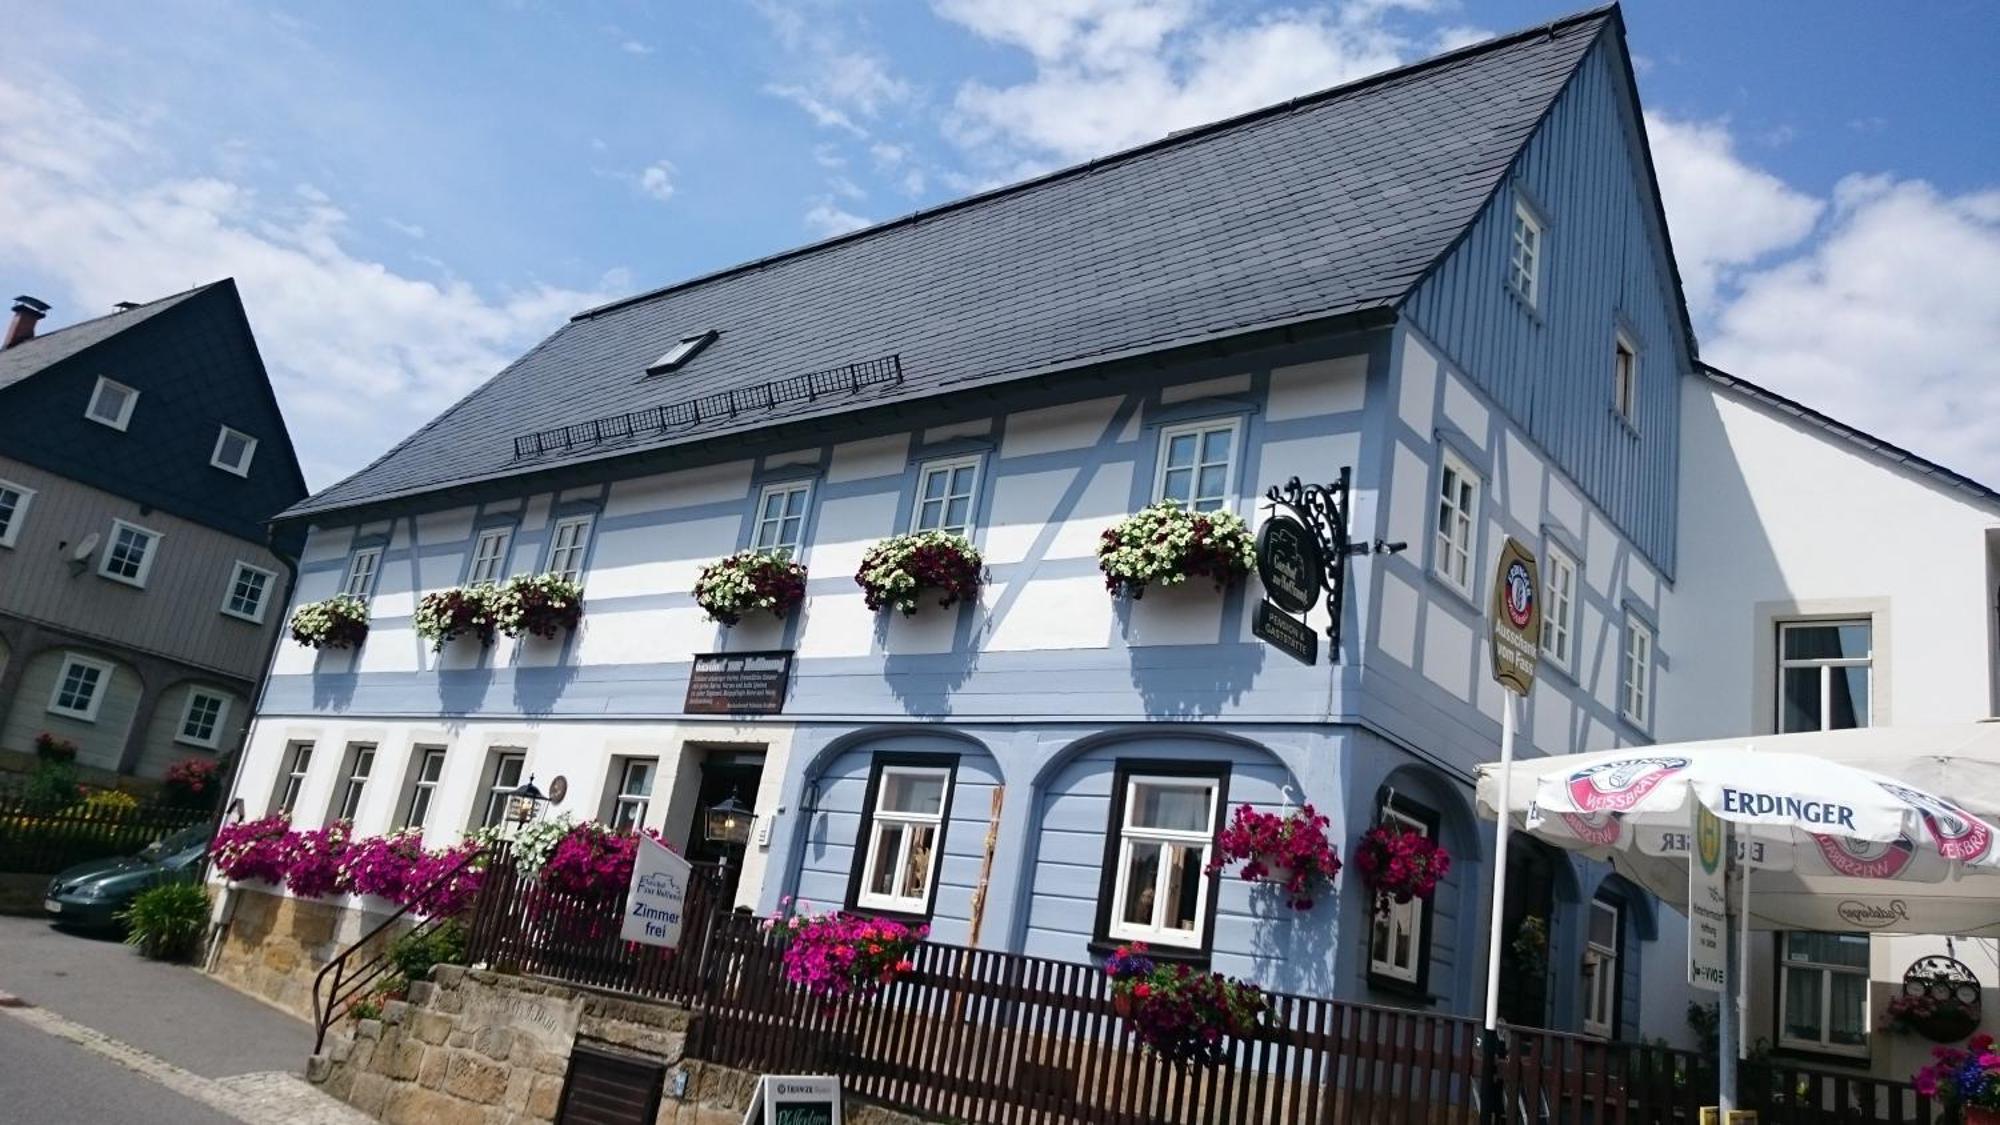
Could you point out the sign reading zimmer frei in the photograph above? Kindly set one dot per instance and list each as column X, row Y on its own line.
column 1517, row 618
column 656, row 902
column 1708, row 904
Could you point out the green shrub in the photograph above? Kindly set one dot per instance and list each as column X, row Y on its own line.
column 51, row 785
column 166, row 922
column 413, row 954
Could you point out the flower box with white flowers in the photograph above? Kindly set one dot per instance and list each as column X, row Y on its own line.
column 906, row 570
column 539, row 605
column 1166, row 544
column 749, row 581
column 444, row 616
column 340, row 621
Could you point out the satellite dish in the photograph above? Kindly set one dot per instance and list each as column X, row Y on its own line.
column 79, row 555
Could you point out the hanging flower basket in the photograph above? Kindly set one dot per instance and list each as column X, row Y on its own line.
column 1399, row 863
column 748, row 581
column 462, row 611
column 54, row 751
column 901, row 570
column 1167, row 544
column 340, row 621
column 1291, row 851
column 540, row 605
column 834, row 956
column 1938, row 1019
column 1183, row 1015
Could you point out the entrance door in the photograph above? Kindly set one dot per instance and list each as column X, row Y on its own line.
column 1524, row 958
column 724, row 773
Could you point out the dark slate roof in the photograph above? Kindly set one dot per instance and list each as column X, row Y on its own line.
column 1331, row 204
column 1888, row 451
column 194, row 361
column 34, row 355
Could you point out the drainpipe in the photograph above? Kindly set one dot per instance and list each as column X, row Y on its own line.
column 219, row 920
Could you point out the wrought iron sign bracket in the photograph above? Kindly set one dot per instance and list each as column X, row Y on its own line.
column 1322, row 508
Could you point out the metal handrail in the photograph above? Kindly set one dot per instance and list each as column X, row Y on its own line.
column 329, row 999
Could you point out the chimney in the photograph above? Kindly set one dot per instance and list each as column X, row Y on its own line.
column 28, row 312
column 125, row 306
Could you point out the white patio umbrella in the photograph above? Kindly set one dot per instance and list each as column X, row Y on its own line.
column 1847, row 830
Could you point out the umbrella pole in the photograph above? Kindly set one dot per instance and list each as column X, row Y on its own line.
column 1725, row 1008
column 1490, row 1040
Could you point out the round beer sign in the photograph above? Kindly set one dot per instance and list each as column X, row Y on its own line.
column 1288, row 560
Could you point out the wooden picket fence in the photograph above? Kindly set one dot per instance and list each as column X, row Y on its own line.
column 37, row 839
column 979, row 1035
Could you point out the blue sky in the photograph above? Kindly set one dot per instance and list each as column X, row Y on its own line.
column 411, row 195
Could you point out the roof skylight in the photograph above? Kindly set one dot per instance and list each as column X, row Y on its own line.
column 678, row 355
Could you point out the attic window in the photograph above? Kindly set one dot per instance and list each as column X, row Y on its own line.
column 678, row 355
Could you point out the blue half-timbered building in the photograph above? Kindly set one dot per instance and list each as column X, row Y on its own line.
column 1452, row 279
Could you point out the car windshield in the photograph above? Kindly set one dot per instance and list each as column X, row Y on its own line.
column 194, row 835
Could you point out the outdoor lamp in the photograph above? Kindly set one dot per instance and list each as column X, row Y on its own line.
column 727, row 822
column 525, row 804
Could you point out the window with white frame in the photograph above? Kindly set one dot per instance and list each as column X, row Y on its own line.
column 1600, row 967
column 354, row 780
column 489, row 556
column 292, row 782
column 1524, row 262
column 128, row 557
column 566, row 546
column 249, row 592
column 781, row 518
column 503, row 776
column 361, row 572
column 945, row 490
column 203, row 718
column 1197, row 464
column 1824, row 674
column 634, row 794
column 1625, row 378
column 1559, row 610
column 1396, row 941
column 1823, row 992
column 1457, row 515
column 14, row 500
column 903, row 832
column 425, row 771
column 81, row 684
column 233, row 451
column 111, row 403
column 1636, row 701
column 1160, row 886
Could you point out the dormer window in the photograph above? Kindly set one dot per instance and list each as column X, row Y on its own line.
column 233, row 450
column 111, row 403
column 678, row 355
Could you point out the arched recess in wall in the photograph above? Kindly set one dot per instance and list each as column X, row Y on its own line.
column 174, row 731
column 100, row 734
column 1096, row 870
column 897, row 827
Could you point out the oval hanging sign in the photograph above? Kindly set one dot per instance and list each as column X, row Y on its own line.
column 1288, row 560
column 1517, row 618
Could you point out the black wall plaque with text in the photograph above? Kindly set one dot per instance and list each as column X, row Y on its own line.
column 738, row 683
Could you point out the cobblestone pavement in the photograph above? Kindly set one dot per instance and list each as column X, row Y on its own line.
column 218, row 1055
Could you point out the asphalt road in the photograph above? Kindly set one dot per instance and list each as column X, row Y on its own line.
column 170, row 1011
column 47, row 1081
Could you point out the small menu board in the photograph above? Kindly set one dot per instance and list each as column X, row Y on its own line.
column 738, row 683
column 794, row 1099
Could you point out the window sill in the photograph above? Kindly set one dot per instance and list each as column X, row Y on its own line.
column 1861, row 1060
column 1395, row 986
column 135, row 583
column 879, row 914
column 243, row 617
column 1174, row 954
column 1523, row 303
column 1462, row 597
column 208, row 746
column 1626, row 424
column 1548, row 666
column 72, row 716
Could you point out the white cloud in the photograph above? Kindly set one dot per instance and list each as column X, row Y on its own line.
column 825, row 219
column 1113, row 73
column 634, row 47
column 1460, row 35
column 1886, row 322
column 1725, row 214
column 840, row 86
column 407, row 230
column 658, row 180
column 341, row 335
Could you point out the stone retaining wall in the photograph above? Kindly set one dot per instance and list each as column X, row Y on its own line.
column 472, row 1047
column 273, row 944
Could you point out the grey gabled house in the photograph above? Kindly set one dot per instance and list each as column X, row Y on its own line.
column 142, row 454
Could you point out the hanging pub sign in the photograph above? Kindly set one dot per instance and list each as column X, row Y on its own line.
column 738, row 683
column 1286, row 633
column 1517, row 618
column 1288, row 561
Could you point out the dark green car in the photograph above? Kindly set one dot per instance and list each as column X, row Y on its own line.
column 91, row 895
